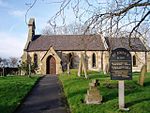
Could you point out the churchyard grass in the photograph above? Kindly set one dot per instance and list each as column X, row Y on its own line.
column 137, row 98
column 12, row 90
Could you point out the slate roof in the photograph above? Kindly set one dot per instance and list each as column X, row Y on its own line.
column 82, row 42
column 135, row 44
column 66, row 42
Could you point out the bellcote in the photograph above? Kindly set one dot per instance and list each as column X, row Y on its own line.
column 31, row 32
column 31, row 27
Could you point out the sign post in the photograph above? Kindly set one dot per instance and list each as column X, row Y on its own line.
column 121, row 69
column 121, row 94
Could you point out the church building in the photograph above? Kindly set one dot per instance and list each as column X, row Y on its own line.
column 52, row 53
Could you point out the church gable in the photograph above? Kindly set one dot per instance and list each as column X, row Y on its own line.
column 44, row 60
column 51, row 52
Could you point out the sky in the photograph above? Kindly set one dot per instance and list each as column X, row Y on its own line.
column 14, row 30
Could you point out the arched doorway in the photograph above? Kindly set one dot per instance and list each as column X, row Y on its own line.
column 51, row 65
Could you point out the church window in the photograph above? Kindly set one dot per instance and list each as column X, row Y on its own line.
column 93, row 60
column 71, row 60
column 35, row 60
column 134, row 60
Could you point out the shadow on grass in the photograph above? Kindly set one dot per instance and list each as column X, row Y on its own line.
column 114, row 94
column 110, row 96
column 129, row 104
column 147, row 83
column 139, row 86
column 97, row 76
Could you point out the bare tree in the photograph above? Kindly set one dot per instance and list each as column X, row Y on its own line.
column 47, row 31
column 0, row 61
column 4, row 62
column 113, row 18
column 13, row 61
column 71, row 29
column 110, row 17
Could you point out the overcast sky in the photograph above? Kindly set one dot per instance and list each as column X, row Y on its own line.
column 13, row 29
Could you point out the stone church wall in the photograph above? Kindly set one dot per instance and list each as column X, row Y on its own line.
column 102, row 60
column 76, row 59
column 40, row 55
column 148, row 61
column 140, row 61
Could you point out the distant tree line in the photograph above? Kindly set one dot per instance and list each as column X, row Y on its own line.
column 9, row 62
column 70, row 29
column 14, row 66
column 9, row 66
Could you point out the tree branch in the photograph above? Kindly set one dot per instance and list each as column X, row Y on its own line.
column 31, row 6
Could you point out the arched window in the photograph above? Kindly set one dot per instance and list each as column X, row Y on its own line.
column 71, row 60
column 134, row 60
column 35, row 60
column 93, row 60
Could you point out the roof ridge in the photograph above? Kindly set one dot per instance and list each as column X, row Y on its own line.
column 68, row 35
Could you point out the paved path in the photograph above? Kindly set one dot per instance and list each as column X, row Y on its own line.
column 45, row 97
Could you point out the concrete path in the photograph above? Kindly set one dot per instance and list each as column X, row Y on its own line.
column 46, row 97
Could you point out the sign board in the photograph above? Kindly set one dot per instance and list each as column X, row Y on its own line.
column 120, row 64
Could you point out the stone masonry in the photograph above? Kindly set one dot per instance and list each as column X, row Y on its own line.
column 93, row 95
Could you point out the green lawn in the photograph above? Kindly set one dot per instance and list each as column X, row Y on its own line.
column 12, row 90
column 137, row 98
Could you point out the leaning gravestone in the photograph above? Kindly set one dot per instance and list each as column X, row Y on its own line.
column 106, row 69
column 82, row 65
column 142, row 75
column 93, row 96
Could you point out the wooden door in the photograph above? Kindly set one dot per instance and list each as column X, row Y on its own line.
column 51, row 65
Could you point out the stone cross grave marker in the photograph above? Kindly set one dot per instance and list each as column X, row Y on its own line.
column 93, row 95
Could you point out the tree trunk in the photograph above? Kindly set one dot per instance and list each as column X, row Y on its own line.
column 3, row 71
column 29, row 73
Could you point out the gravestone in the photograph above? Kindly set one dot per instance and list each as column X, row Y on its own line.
column 142, row 75
column 82, row 65
column 106, row 70
column 93, row 95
